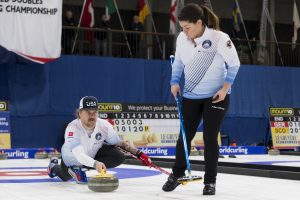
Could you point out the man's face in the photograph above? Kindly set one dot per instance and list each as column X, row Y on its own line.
column 136, row 19
column 88, row 117
column 69, row 14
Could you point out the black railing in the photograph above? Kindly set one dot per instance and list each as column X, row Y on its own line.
column 148, row 45
column 117, row 43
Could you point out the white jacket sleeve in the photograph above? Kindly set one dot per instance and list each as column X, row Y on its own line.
column 81, row 156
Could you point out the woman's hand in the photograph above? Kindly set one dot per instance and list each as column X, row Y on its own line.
column 175, row 89
column 221, row 94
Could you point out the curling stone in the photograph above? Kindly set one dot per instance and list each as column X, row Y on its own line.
column 103, row 182
column 232, row 156
column 3, row 156
column 194, row 152
column 274, row 152
column 201, row 152
column 41, row 155
column 54, row 153
column 221, row 156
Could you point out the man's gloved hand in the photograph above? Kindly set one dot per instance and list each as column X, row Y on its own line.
column 144, row 158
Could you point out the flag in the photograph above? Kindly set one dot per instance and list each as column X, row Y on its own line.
column 207, row 3
column 110, row 7
column 262, row 33
column 180, row 5
column 143, row 10
column 236, row 17
column 296, row 25
column 88, row 15
column 173, row 17
column 88, row 19
column 30, row 31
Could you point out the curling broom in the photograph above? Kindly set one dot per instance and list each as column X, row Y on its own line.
column 190, row 177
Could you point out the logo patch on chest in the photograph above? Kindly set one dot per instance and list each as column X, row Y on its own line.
column 98, row 136
column 206, row 44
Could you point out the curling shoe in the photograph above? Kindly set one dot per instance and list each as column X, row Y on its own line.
column 78, row 174
column 53, row 162
column 171, row 184
column 209, row 189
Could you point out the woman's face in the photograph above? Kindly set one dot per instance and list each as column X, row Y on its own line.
column 192, row 30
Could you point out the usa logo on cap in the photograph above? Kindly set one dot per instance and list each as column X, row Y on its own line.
column 88, row 102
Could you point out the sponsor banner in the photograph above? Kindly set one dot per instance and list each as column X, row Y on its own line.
column 281, row 111
column 145, row 125
column 157, row 139
column 28, row 153
column 5, row 141
column 136, row 108
column 158, row 151
column 242, row 150
column 4, row 122
column 285, row 127
column 32, row 28
column 224, row 150
column 24, row 153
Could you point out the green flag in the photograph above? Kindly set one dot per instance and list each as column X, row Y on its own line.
column 110, row 7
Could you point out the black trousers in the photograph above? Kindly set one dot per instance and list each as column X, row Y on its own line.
column 107, row 154
column 193, row 110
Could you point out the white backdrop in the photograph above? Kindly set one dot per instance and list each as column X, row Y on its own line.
column 32, row 28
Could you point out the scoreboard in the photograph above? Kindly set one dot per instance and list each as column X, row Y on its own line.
column 146, row 125
column 285, row 127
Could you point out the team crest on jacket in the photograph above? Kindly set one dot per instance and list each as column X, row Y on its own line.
column 98, row 136
column 228, row 44
column 206, row 44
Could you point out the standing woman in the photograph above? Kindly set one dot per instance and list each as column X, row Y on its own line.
column 210, row 63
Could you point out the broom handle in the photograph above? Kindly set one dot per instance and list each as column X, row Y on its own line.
column 178, row 100
column 183, row 136
column 135, row 157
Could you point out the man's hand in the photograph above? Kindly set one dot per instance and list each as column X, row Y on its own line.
column 144, row 158
column 99, row 166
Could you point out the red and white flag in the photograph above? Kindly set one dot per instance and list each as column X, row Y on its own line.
column 88, row 19
column 173, row 17
column 296, row 25
column 32, row 30
column 88, row 15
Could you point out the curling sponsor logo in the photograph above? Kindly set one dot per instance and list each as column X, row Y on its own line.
column 3, row 121
column 110, row 107
column 3, row 106
column 281, row 111
column 155, row 151
column 17, row 154
column 233, row 150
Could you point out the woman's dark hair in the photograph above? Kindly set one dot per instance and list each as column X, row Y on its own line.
column 193, row 12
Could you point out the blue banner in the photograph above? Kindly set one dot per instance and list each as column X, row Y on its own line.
column 24, row 153
column 224, row 150
column 242, row 150
column 158, row 151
